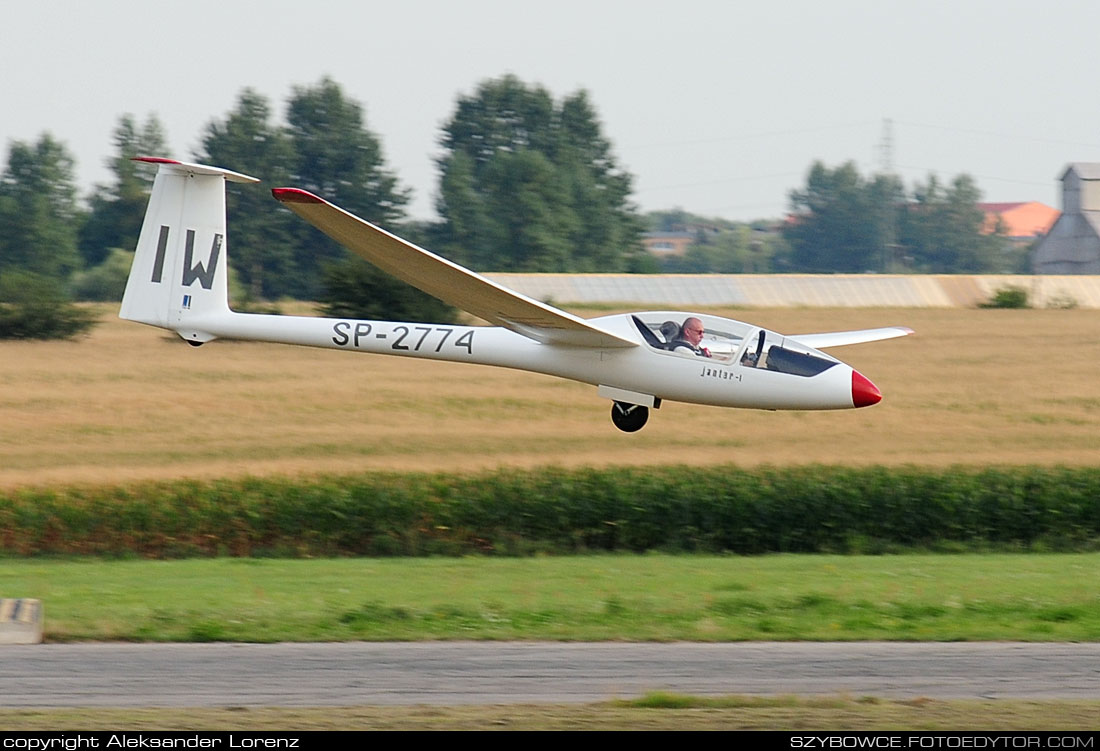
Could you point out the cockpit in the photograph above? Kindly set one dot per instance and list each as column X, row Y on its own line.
column 730, row 342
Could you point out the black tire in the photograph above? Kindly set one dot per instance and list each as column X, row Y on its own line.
column 629, row 418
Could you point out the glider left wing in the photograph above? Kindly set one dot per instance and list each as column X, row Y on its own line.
column 446, row 280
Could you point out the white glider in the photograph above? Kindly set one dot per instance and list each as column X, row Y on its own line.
column 178, row 282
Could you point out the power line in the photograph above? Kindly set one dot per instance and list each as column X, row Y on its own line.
column 994, row 134
column 752, row 136
column 723, row 181
column 933, row 170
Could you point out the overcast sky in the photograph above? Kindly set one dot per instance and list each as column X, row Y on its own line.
column 718, row 107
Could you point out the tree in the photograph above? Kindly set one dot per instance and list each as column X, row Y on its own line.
column 39, row 222
column 262, row 248
column 943, row 230
column 532, row 221
column 337, row 157
column 720, row 246
column 531, row 185
column 357, row 289
column 116, row 210
column 728, row 251
column 38, row 210
column 610, row 227
column 842, row 222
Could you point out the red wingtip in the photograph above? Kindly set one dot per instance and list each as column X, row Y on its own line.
column 294, row 195
column 155, row 160
column 864, row 393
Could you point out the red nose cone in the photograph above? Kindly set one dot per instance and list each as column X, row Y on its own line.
column 864, row 393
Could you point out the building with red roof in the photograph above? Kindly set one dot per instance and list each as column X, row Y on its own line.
column 1020, row 220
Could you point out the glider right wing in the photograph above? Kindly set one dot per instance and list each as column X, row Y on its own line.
column 844, row 338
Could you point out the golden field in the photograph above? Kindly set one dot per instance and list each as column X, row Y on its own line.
column 130, row 402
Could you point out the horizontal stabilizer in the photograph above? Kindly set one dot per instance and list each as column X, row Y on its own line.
column 198, row 169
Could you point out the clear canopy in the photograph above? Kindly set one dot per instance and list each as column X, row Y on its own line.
column 732, row 342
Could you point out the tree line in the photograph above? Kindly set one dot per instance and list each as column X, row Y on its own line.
column 527, row 182
column 843, row 222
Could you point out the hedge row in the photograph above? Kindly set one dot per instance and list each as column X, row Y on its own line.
column 675, row 509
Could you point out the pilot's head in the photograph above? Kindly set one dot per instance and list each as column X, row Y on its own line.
column 693, row 331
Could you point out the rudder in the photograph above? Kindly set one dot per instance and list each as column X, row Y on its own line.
column 179, row 275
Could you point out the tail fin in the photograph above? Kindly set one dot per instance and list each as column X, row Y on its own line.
column 180, row 270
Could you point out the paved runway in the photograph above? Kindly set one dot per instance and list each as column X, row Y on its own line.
column 449, row 673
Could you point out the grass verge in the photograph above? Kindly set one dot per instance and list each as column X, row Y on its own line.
column 694, row 713
column 965, row 597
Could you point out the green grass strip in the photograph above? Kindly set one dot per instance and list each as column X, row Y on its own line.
column 652, row 597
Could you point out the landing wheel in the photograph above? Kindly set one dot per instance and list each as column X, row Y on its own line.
column 629, row 417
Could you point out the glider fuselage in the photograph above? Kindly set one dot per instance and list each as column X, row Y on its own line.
column 721, row 379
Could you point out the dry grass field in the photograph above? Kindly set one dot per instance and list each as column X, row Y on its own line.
column 130, row 402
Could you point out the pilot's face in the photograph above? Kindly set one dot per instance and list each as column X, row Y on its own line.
column 693, row 332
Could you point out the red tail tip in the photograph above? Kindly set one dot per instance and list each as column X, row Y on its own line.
column 864, row 393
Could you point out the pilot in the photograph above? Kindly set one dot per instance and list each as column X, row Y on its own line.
column 691, row 334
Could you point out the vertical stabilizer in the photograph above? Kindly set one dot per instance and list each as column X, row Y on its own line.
column 179, row 276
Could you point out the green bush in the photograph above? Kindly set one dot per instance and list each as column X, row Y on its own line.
column 1062, row 301
column 105, row 282
column 671, row 509
column 35, row 307
column 1008, row 297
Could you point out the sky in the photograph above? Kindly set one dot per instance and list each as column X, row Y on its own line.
column 713, row 106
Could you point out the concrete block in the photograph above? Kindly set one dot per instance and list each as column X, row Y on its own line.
column 20, row 621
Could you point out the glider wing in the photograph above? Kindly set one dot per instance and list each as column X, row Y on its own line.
column 446, row 280
column 841, row 338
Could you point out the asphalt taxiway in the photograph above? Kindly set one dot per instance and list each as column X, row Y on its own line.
column 453, row 673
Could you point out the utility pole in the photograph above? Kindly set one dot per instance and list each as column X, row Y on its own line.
column 889, row 211
column 885, row 148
